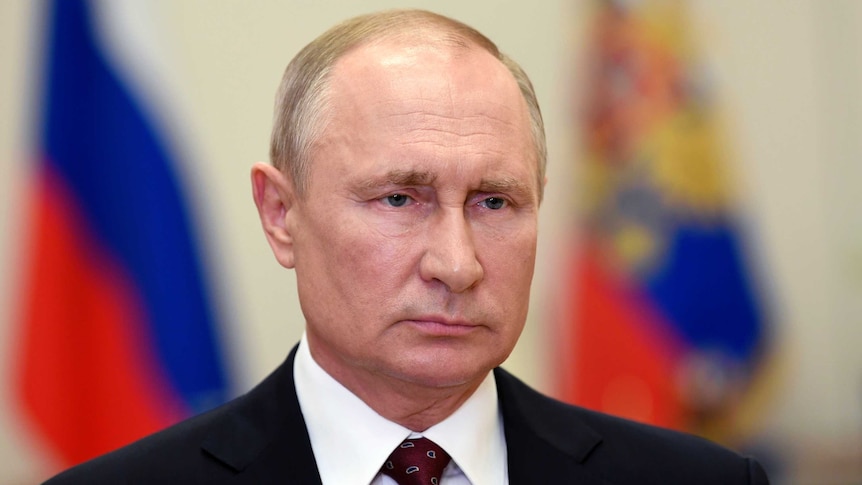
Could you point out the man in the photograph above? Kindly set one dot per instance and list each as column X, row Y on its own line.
column 408, row 168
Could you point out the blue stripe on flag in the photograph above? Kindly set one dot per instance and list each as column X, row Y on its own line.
column 706, row 294
column 122, row 174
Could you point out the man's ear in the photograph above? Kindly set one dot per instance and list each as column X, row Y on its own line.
column 274, row 197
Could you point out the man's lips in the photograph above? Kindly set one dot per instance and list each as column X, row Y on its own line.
column 441, row 326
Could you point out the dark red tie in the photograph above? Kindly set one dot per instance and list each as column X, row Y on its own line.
column 416, row 461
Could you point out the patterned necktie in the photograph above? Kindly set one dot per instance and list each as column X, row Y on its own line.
column 416, row 461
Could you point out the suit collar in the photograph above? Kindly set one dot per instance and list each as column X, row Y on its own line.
column 546, row 441
column 263, row 433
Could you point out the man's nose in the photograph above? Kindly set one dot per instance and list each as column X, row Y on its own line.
column 450, row 252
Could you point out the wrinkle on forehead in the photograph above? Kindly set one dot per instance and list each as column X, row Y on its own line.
column 478, row 135
column 477, row 120
column 463, row 145
column 427, row 116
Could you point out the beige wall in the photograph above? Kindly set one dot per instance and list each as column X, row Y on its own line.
column 788, row 75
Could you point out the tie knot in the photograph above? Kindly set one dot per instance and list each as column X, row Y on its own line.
column 416, row 461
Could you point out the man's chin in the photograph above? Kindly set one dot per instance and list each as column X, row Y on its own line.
column 445, row 374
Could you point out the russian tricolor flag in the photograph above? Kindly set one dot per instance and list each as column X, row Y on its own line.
column 119, row 333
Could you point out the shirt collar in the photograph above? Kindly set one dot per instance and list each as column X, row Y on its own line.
column 351, row 441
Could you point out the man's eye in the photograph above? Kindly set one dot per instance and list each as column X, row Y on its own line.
column 396, row 200
column 494, row 203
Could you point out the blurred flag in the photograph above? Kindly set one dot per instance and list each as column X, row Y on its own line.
column 119, row 335
column 665, row 326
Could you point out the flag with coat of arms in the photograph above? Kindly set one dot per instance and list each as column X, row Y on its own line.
column 664, row 323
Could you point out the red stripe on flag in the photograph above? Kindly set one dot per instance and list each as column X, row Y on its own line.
column 87, row 377
column 622, row 355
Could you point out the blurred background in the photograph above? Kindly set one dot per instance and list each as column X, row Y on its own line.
column 700, row 257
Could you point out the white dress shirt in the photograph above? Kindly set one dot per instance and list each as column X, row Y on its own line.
column 351, row 441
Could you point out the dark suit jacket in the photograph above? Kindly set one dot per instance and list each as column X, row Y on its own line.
column 260, row 438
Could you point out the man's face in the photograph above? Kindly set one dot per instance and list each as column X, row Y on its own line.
column 414, row 244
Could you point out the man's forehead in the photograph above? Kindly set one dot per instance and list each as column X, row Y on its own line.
column 413, row 93
column 392, row 70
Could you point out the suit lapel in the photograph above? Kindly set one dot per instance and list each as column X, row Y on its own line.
column 546, row 442
column 263, row 437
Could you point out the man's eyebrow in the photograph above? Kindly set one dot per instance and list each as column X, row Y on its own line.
column 507, row 185
column 399, row 177
column 407, row 178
